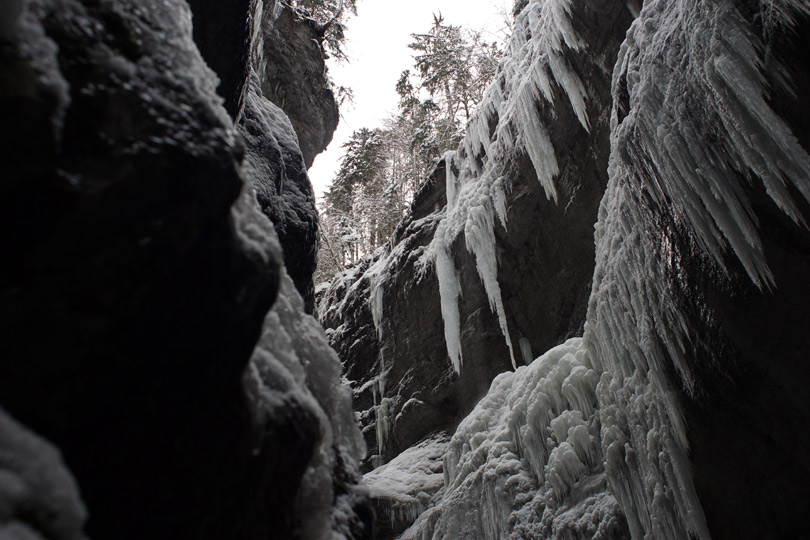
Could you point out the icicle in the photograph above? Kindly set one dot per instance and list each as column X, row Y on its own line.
column 450, row 178
column 525, row 350
column 520, row 453
column 698, row 126
column 480, row 237
column 449, row 291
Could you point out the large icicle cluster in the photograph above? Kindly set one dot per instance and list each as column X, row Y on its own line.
column 592, row 431
column 527, row 463
column 697, row 135
column 536, row 62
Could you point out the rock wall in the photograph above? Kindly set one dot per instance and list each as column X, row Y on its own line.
column 701, row 240
column 679, row 413
column 291, row 65
column 139, row 271
column 544, row 251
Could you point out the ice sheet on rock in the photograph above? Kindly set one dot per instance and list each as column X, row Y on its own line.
column 692, row 130
column 406, row 484
column 294, row 362
column 38, row 496
column 527, row 462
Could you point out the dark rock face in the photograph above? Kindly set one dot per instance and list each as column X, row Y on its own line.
column 545, row 269
column 283, row 189
column 222, row 34
column 139, row 272
column 131, row 301
column 754, row 393
column 293, row 76
column 740, row 369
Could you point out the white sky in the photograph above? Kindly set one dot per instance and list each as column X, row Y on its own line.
column 377, row 48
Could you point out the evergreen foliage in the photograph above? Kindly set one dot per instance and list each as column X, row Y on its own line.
column 332, row 16
column 381, row 168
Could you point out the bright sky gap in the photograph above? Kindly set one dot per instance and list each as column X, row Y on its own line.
column 377, row 48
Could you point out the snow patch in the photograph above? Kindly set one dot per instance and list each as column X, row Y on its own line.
column 405, row 485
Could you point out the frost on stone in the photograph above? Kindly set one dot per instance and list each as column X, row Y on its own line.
column 39, row 498
column 700, row 129
column 692, row 134
column 406, row 485
column 294, row 364
column 527, row 463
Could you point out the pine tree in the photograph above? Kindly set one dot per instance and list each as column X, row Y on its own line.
column 382, row 168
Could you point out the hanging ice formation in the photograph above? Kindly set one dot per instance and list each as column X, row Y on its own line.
column 592, row 433
column 698, row 132
column 535, row 64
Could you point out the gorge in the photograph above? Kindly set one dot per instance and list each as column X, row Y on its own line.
column 592, row 323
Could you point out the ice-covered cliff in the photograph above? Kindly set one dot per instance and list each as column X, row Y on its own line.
column 680, row 411
column 148, row 390
column 485, row 224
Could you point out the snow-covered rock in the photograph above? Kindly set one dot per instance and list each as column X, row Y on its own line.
column 477, row 281
column 527, row 463
column 137, row 276
column 407, row 485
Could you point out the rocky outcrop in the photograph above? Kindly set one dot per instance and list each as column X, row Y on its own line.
column 283, row 189
column 293, row 76
column 289, row 116
column 139, row 274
